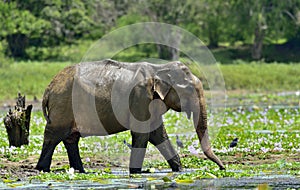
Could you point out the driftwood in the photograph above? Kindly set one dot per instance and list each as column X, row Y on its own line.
column 17, row 123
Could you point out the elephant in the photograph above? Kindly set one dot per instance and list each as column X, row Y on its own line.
column 106, row 97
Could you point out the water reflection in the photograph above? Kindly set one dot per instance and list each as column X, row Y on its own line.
column 155, row 181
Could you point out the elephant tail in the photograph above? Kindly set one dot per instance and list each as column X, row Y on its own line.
column 45, row 107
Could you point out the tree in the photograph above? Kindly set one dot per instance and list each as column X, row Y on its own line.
column 263, row 18
column 43, row 23
column 17, row 27
column 204, row 18
column 214, row 20
column 166, row 11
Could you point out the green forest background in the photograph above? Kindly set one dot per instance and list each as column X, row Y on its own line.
column 42, row 29
column 248, row 38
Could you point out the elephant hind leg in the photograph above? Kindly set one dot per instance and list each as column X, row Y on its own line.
column 46, row 156
column 160, row 140
column 71, row 144
column 49, row 144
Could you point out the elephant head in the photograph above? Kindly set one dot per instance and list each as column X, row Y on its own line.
column 181, row 91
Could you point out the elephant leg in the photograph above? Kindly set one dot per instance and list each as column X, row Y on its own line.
column 160, row 139
column 138, row 150
column 49, row 145
column 71, row 144
column 46, row 156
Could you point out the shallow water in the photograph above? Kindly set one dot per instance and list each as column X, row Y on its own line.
column 154, row 181
column 274, row 182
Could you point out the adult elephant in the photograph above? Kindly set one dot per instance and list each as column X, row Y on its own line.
column 107, row 97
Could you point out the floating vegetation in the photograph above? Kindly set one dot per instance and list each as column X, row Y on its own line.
column 269, row 144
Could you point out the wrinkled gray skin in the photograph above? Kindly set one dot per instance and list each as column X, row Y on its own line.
column 101, row 89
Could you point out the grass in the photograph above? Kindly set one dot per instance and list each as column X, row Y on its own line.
column 31, row 78
column 260, row 77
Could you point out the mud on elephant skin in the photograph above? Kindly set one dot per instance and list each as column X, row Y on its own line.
column 107, row 97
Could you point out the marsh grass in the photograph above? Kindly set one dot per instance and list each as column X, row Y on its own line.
column 261, row 77
column 31, row 78
column 269, row 143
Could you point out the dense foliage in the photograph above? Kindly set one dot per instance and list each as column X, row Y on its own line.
column 33, row 29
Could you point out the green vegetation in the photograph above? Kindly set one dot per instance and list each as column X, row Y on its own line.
column 268, row 144
column 256, row 45
column 41, row 29
column 261, row 77
column 32, row 78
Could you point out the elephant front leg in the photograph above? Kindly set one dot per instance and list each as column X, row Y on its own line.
column 160, row 140
column 138, row 150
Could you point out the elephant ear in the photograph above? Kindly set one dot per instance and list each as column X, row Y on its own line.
column 161, row 87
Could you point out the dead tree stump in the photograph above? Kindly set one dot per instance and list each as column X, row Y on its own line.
column 17, row 123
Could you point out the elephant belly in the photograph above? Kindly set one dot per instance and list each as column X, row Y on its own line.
column 99, row 128
column 94, row 116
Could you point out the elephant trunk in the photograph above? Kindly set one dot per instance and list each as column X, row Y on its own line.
column 200, row 122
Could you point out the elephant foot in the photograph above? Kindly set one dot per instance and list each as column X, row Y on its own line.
column 78, row 167
column 175, row 164
column 41, row 168
column 135, row 170
column 177, row 169
column 80, row 170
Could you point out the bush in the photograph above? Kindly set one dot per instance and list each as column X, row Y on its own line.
column 73, row 53
column 4, row 61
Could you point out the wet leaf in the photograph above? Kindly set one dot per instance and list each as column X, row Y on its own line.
column 8, row 181
column 14, row 185
column 184, row 181
column 135, row 175
column 107, row 170
column 166, row 179
column 170, row 174
column 151, row 178
column 102, row 181
column 211, row 175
